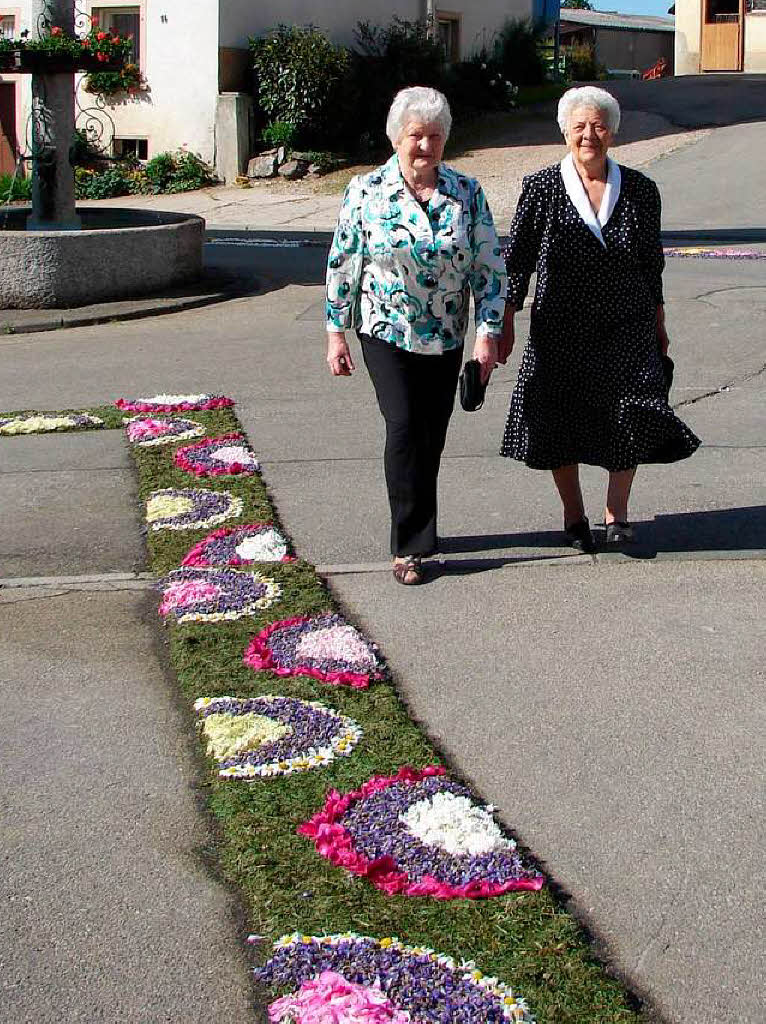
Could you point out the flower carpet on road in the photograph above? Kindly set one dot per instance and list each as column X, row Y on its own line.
column 175, row 508
column 149, row 432
column 215, row 595
column 42, row 423
column 174, row 403
column 240, row 545
column 218, row 456
column 324, row 646
column 708, row 253
column 272, row 735
column 419, row 834
column 428, row 986
column 283, row 747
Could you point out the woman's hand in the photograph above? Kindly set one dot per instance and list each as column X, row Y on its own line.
column 485, row 353
column 662, row 334
column 339, row 355
column 508, row 337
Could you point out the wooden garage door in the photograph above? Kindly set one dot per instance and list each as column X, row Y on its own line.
column 7, row 128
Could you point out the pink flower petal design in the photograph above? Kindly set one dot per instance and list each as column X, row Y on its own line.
column 337, row 659
column 201, row 458
column 376, row 845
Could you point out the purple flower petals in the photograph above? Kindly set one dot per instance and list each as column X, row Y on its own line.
column 180, row 508
column 433, row 989
column 240, row 545
column 227, row 455
column 325, row 647
column 317, row 735
column 215, row 595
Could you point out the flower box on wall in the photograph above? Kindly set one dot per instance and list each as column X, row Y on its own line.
column 26, row 61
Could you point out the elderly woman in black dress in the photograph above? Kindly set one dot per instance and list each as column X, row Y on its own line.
column 591, row 386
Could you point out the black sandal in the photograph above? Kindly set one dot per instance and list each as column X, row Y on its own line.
column 578, row 536
column 409, row 572
column 619, row 533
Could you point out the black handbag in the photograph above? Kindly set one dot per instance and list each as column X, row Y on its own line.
column 471, row 388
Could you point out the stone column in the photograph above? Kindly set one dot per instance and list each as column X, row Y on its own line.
column 53, row 124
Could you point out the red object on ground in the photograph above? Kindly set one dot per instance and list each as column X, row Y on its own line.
column 658, row 70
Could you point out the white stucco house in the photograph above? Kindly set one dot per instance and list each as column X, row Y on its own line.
column 194, row 56
column 720, row 35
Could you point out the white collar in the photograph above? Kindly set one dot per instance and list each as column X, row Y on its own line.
column 576, row 192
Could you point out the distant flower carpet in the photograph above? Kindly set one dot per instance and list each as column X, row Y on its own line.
column 39, row 423
column 174, row 403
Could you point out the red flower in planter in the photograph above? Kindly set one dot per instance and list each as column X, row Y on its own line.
column 56, row 31
column 101, row 36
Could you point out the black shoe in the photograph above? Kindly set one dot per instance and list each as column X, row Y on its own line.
column 578, row 536
column 619, row 533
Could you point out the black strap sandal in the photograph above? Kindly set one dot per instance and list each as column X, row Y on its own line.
column 409, row 572
column 619, row 533
column 578, row 536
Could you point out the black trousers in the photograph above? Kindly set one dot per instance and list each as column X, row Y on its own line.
column 416, row 395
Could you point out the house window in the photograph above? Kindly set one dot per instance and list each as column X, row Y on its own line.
column 448, row 27
column 138, row 148
column 7, row 26
column 123, row 22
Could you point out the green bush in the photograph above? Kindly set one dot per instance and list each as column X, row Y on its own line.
column 15, row 189
column 159, row 171
column 279, row 133
column 106, row 184
column 516, row 50
column 299, row 76
column 582, row 64
column 166, row 172
column 385, row 60
column 478, row 84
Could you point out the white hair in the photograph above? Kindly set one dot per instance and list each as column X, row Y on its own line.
column 588, row 96
column 417, row 103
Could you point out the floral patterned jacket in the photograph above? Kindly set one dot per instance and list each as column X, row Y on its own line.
column 401, row 274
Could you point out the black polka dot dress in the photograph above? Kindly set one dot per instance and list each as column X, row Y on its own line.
column 591, row 387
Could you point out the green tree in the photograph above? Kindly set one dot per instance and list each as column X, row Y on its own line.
column 578, row 5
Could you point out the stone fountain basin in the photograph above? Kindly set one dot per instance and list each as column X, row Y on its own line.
column 118, row 254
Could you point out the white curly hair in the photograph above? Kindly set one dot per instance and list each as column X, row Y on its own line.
column 588, row 96
column 417, row 103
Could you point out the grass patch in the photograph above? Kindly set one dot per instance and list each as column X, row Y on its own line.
column 529, row 940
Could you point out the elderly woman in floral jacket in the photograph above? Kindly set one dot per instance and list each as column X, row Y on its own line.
column 414, row 240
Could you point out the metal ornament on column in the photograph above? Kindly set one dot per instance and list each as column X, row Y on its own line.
column 52, row 130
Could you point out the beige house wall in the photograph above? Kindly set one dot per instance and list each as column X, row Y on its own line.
column 755, row 42
column 628, row 50
column 689, row 39
column 240, row 19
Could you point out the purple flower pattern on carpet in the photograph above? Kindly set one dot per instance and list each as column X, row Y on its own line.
column 215, row 595
column 432, row 988
column 317, row 735
column 240, row 545
column 376, row 831
column 324, row 646
column 180, row 508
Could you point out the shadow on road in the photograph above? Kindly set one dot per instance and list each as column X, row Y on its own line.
column 723, row 530
column 714, row 236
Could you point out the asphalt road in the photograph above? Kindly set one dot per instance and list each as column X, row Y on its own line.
column 612, row 708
